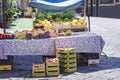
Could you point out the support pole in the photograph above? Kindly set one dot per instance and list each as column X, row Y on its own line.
column 89, row 23
column 87, row 12
column 91, row 8
column 97, row 7
column 84, row 12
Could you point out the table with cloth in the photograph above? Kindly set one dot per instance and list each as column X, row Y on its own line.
column 86, row 42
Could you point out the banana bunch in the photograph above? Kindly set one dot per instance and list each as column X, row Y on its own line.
column 20, row 35
column 47, row 25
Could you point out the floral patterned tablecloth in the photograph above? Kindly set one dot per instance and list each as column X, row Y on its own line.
column 2, row 50
column 83, row 42
column 29, row 47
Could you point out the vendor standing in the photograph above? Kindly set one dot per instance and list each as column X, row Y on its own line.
column 33, row 13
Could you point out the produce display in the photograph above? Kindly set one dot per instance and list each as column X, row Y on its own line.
column 6, row 36
column 79, row 22
column 45, row 24
column 55, row 17
column 38, row 66
column 65, row 33
column 58, row 20
column 32, row 34
column 51, row 60
column 49, row 24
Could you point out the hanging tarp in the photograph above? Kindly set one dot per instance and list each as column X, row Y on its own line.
column 22, row 4
column 57, row 5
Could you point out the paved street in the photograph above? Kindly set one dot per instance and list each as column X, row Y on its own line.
column 108, row 69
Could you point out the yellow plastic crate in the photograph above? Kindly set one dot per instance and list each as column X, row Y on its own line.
column 52, row 64
column 5, row 67
column 38, row 74
column 38, row 67
column 53, row 73
column 38, row 70
column 68, row 65
column 71, row 69
column 52, row 68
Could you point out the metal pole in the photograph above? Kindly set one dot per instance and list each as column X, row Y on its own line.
column 88, row 16
column 91, row 7
column 89, row 23
column 97, row 7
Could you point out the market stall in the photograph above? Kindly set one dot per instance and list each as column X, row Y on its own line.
column 53, row 31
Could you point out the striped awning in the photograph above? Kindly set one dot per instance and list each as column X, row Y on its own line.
column 57, row 5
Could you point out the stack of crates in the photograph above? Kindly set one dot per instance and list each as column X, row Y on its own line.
column 38, row 70
column 67, row 59
column 52, row 67
column 6, row 64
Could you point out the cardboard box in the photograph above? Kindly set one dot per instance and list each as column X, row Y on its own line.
column 5, row 67
column 93, row 62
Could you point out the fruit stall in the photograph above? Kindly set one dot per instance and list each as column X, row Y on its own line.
column 46, row 44
column 53, row 35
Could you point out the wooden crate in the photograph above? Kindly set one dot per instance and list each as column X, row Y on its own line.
column 5, row 67
column 80, row 29
column 62, row 25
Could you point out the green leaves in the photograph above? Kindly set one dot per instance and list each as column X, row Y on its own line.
column 9, row 9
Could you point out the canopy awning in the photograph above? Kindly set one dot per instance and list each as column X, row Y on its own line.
column 57, row 5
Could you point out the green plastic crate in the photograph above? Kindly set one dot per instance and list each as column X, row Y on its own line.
column 63, row 60
column 68, row 65
column 61, row 55
column 65, row 50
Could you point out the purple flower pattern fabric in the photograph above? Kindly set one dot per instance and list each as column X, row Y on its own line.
column 83, row 42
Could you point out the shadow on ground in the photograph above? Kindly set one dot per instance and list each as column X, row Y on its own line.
column 105, row 64
column 110, row 63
